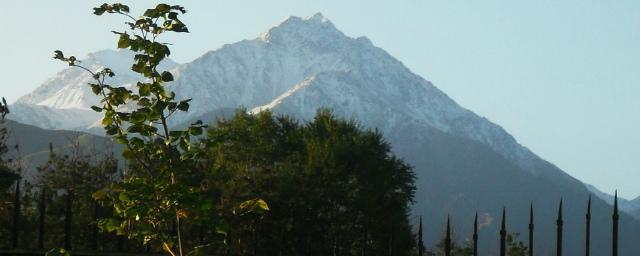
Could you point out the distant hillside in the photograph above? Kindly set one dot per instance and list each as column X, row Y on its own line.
column 33, row 144
column 632, row 207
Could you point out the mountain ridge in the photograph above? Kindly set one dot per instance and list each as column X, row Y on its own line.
column 303, row 64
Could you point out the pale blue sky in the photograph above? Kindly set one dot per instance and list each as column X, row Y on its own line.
column 562, row 76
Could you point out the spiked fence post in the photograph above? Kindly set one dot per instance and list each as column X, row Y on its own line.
column 503, row 233
column 390, row 242
column 94, row 234
column 67, row 221
column 447, row 239
column 364, row 242
column 42, row 211
column 587, row 249
column 255, row 238
column 420, row 242
column 615, row 217
column 531, row 230
column 475, row 235
column 559, row 231
column 282, row 241
column 15, row 229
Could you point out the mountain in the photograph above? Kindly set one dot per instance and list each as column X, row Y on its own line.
column 464, row 162
column 64, row 101
column 632, row 207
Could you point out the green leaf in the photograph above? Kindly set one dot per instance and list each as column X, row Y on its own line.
column 139, row 67
column 163, row 8
column 183, row 106
column 144, row 89
column 106, row 121
column 99, row 195
column 124, row 41
column 167, row 76
column 127, row 154
column 111, row 130
column 138, row 117
column 96, row 109
column 96, row 89
column 109, row 224
column 122, row 139
column 124, row 197
column 57, row 252
column 195, row 131
column 255, row 206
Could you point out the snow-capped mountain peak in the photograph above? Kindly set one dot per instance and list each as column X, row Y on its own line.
column 314, row 28
column 69, row 88
column 64, row 100
column 292, row 63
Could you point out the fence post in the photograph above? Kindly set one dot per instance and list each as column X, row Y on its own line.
column 255, row 237
column 587, row 239
column 614, row 237
column 531, row 229
column 96, row 216
column 364, row 242
column 559, row 231
column 282, row 241
column 15, row 229
column 503, row 233
column 67, row 221
column 420, row 242
column 447, row 239
column 475, row 235
column 391, row 242
column 42, row 209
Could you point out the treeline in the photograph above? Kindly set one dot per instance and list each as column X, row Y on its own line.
column 330, row 187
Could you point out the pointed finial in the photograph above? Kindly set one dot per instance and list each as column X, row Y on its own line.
column 420, row 242
column 531, row 229
column 447, row 239
column 615, row 202
column 448, row 226
column 589, row 207
column 614, row 242
column 503, row 233
column 475, row 222
column 504, row 213
column 560, row 210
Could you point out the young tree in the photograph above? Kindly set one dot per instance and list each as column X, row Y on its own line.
column 162, row 186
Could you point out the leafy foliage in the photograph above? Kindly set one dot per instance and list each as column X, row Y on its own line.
column 331, row 186
column 328, row 183
column 7, row 175
column 515, row 246
column 159, row 189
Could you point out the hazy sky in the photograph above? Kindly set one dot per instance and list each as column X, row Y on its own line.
column 562, row 76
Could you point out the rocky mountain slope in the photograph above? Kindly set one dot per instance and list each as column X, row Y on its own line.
column 464, row 162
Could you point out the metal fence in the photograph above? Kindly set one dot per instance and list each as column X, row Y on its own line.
column 559, row 228
column 120, row 242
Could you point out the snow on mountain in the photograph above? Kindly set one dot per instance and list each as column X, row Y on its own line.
column 297, row 57
column 51, row 118
column 64, row 101
column 303, row 64
column 302, row 56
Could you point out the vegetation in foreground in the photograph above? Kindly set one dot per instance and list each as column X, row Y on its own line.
column 252, row 183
